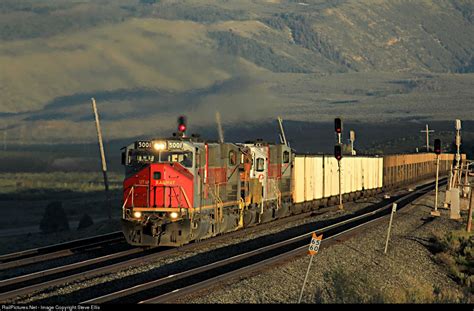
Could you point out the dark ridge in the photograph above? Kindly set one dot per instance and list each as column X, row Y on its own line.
column 351, row 101
column 468, row 67
column 254, row 51
column 304, row 35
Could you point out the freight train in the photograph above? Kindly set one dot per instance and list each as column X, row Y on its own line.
column 183, row 189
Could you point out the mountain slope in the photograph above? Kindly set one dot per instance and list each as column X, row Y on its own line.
column 369, row 60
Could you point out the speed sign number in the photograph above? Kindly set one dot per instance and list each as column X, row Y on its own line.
column 315, row 243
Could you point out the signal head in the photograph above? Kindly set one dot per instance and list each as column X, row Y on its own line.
column 338, row 125
column 437, row 146
column 338, row 152
column 182, row 124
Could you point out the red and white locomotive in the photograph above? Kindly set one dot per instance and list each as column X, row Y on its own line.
column 182, row 189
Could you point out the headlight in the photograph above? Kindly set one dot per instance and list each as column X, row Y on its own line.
column 137, row 214
column 160, row 145
column 174, row 215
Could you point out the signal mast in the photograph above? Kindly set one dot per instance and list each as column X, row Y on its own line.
column 338, row 155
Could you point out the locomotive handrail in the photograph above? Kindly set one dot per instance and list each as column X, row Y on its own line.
column 126, row 200
column 232, row 174
column 185, row 197
column 132, row 191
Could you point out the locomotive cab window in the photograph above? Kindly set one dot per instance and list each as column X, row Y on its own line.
column 147, row 157
column 260, row 165
column 232, row 158
column 286, row 157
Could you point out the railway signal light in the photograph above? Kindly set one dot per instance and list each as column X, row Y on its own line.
column 437, row 146
column 182, row 124
column 338, row 152
column 338, row 125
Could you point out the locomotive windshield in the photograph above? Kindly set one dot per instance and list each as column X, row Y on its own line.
column 141, row 157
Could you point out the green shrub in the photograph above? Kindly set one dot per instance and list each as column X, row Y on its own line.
column 456, row 253
column 54, row 218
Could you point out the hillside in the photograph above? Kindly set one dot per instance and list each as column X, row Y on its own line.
column 146, row 61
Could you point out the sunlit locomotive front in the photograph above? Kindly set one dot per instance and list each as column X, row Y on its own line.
column 158, row 191
column 183, row 189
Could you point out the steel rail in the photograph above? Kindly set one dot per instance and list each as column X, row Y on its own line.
column 108, row 269
column 198, row 270
column 59, row 246
column 40, row 274
column 58, row 254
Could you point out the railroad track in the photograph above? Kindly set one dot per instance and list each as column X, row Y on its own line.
column 36, row 255
column 44, row 279
column 178, row 285
column 41, row 280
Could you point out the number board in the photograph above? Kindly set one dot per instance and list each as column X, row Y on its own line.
column 175, row 144
column 142, row 144
column 315, row 243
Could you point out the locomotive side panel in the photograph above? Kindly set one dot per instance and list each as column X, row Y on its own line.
column 286, row 162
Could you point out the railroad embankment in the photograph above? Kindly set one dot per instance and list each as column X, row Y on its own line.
column 425, row 263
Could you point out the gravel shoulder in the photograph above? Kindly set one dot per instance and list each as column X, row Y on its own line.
column 357, row 270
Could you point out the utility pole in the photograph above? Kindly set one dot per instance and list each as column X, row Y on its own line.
column 102, row 157
column 427, row 131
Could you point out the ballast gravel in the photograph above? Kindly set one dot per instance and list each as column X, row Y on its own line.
column 407, row 273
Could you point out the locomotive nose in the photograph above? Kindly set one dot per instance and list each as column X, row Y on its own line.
column 171, row 186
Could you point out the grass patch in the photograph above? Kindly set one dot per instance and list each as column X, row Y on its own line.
column 14, row 184
column 455, row 251
column 348, row 287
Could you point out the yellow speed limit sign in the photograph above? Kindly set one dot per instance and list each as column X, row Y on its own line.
column 315, row 243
